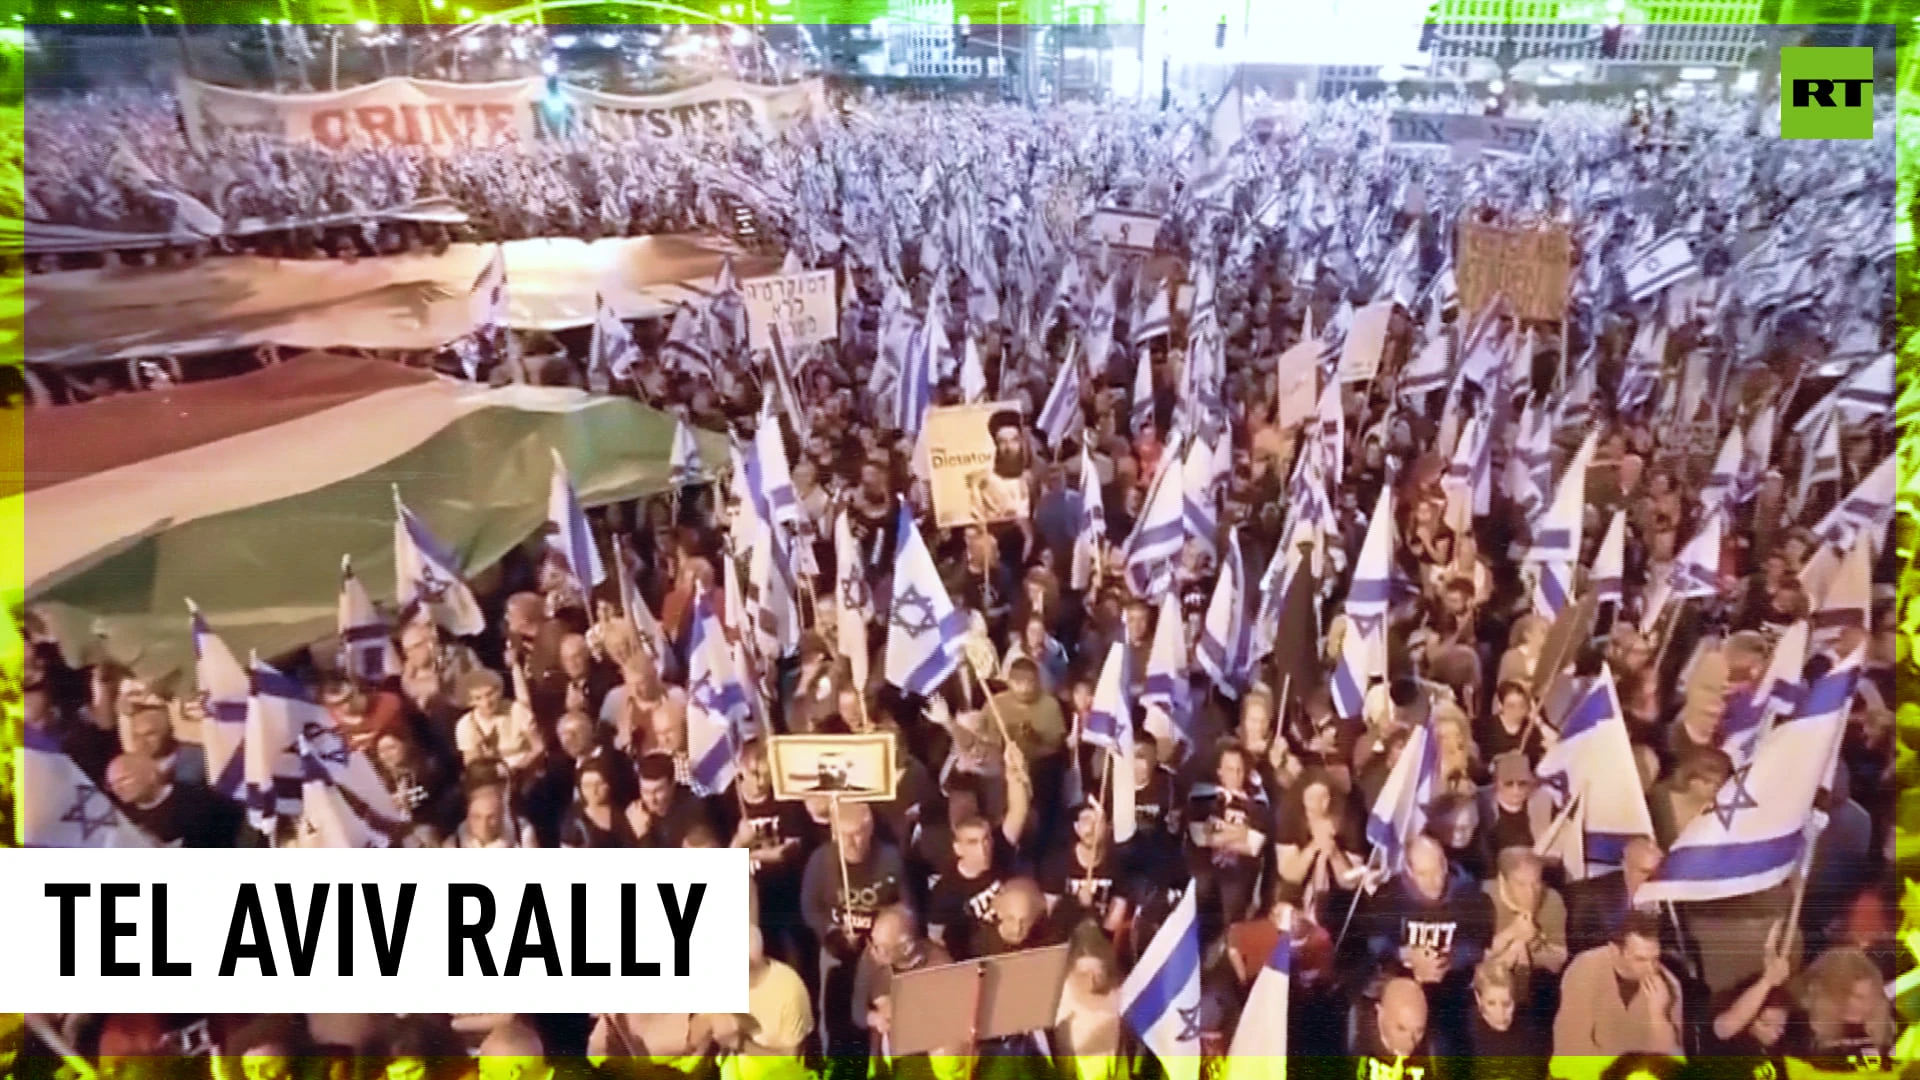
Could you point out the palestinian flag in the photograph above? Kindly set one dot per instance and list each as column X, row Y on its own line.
column 245, row 493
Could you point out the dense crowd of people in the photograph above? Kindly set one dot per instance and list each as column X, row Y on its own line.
column 1476, row 942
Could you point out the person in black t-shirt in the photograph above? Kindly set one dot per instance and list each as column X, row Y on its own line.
column 960, row 903
column 1748, row 1041
column 1083, row 878
column 1228, row 834
column 779, row 837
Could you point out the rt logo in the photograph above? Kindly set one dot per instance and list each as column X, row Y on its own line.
column 1826, row 93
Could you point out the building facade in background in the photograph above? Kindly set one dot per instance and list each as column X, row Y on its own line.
column 1564, row 36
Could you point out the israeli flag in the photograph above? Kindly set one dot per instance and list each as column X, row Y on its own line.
column 914, row 394
column 1141, row 416
column 1755, row 833
column 281, row 708
column 1399, row 813
column 653, row 637
column 1847, row 600
column 769, row 477
column 718, row 703
column 613, row 351
column 853, row 603
column 1100, row 330
column 1751, row 711
column 272, row 771
column 1557, row 546
column 1161, row 531
column 1758, row 453
column 425, row 575
column 1610, row 564
column 1169, row 689
column 1199, row 481
column 926, row 636
column 1593, row 762
column 1868, row 395
column 1060, row 416
column 1093, row 523
column 1156, row 320
column 489, row 300
column 1161, row 997
column 1109, row 726
column 1259, row 1048
column 364, row 635
column 1722, row 489
column 684, row 467
column 1332, row 425
column 1658, row 264
column 1427, row 372
column 775, row 610
column 572, row 538
column 1225, row 648
column 327, row 820
column 1693, row 575
column 1866, row 509
column 61, row 807
column 224, row 689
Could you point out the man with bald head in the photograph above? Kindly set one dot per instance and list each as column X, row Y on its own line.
column 1433, row 927
column 895, row 947
column 1391, row 1041
column 174, row 815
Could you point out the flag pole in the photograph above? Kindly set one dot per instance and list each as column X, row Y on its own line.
column 1106, row 782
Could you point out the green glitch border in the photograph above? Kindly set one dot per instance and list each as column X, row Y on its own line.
column 1779, row 17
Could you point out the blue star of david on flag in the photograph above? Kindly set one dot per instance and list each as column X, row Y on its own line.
column 913, row 612
column 1734, row 797
column 84, row 796
column 854, row 593
column 432, row 588
column 1189, row 1023
column 324, row 744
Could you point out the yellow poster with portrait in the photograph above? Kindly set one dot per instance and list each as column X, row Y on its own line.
column 976, row 464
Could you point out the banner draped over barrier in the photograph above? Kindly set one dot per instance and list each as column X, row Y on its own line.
column 446, row 116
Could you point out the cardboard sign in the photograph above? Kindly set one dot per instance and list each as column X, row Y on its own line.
column 1530, row 267
column 1462, row 133
column 804, row 306
column 977, row 464
column 1366, row 342
column 853, row 768
column 943, row 1009
column 1124, row 230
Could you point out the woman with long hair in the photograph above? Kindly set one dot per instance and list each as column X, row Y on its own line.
column 1850, row 1025
column 1317, row 837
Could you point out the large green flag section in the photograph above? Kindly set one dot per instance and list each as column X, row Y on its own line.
column 266, row 572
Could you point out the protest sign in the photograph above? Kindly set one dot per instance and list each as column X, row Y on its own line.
column 447, row 116
column 977, row 464
column 1299, row 391
column 1366, row 341
column 719, row 104
column 1530, row 267
column 1124, row 230
column 802, row 305
column 855, row 768
column 1462, row 133
column 392, row 112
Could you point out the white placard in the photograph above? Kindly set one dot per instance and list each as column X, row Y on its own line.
column 804, row 306
column 1124, row 229
column 592, row 911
